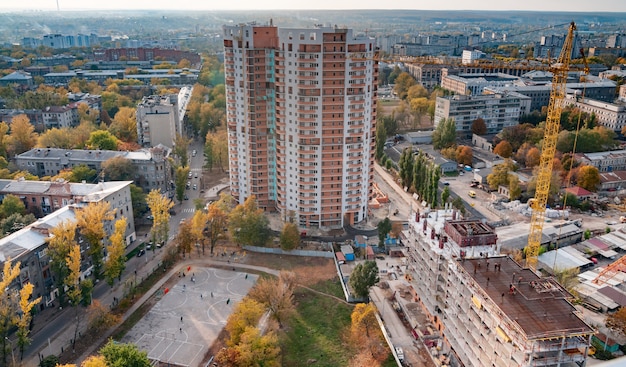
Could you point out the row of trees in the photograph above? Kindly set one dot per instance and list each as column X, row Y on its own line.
column 420, row 175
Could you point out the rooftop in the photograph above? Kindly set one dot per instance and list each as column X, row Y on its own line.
column 537, row 306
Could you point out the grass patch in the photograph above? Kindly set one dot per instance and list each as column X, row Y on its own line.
column 332, row 287
column 315, row 331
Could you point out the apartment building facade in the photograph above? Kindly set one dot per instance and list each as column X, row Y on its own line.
column 152, row 167
column 497, row 110
column 489, row 309
column 160, row 118
column 301, row 112
column 610, row 115
column 29, row 246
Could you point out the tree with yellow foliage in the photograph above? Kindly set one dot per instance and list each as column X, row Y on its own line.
column 366, row 336
column 7, row 303
column 124, row 125
column 217, row 220
column 276, row 295
column 116, row 261
column 185, row 238
column 248, row 312
column 59, row 244
column 160, row 208
column 23, row 136
column 22, row 320
column 91, row 220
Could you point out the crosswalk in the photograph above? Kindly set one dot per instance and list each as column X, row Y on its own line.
column 188, row 210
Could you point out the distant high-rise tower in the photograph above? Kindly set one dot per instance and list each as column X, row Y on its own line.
column 301, row 120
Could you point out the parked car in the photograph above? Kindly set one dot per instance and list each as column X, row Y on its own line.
column 141, row 253
column 195, row 187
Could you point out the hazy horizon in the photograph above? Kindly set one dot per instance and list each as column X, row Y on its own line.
column 611, row 6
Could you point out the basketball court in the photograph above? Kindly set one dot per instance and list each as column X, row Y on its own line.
column 189, row 316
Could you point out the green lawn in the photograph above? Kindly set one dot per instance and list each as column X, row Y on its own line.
column 315, row 331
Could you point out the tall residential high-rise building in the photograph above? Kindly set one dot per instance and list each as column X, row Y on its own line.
column 301, row 112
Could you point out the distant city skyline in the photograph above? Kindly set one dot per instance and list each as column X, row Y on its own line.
column 528, row 5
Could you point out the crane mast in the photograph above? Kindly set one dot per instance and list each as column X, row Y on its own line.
column 551, row 133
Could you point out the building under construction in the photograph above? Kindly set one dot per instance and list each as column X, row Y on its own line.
column 490, row 310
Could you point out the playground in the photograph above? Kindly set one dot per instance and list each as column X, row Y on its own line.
column 189, row 316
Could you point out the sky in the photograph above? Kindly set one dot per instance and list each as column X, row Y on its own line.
column 539, row 5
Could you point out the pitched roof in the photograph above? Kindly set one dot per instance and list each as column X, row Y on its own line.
column 578, row 191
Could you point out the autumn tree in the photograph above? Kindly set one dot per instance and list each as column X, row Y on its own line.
column 216, row 150
column 160, row 208
column 116, row 260
column 276, row 295
column 479, row 127
column 290, row 236
column 124, row 354
column 118, row 169
column 363, row 277
column 365, row 334
column 503, row 149
column 181, row 146
column 103, row 140
column 91, row 220
column 248, row 225
column 254, row 349
column 404, row 81
column 514, row 188
column 180, row 179
column 444, row 134
column 617, row 320
column 59, row 244
column 464, row 155
column 22, row 137
column 4, row 139
column 24, row 317
column 499, row 176
column 124, row 125
column 7, row 303
column 532, row 157
column 56, row 138
column 185, row 238
column 588, row 177
column 100, row 317
column 217, row 219
column 74, row 288
column 247, row 313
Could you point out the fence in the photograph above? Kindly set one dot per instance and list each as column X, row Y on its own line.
column 278, row 251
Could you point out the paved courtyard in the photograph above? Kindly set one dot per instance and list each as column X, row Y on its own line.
column 189, row 316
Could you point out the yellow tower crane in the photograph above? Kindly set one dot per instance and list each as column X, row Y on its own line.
column 555, row 107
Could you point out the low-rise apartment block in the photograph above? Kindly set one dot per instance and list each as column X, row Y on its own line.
column 152, row 168
column 29, row 246
column 610, row 115
column 497, row 110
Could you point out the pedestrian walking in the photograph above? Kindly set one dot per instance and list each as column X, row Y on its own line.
column 211, row 294
column 181, row 319
column 200, row 295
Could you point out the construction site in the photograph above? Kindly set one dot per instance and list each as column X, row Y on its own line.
column 489, row 309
